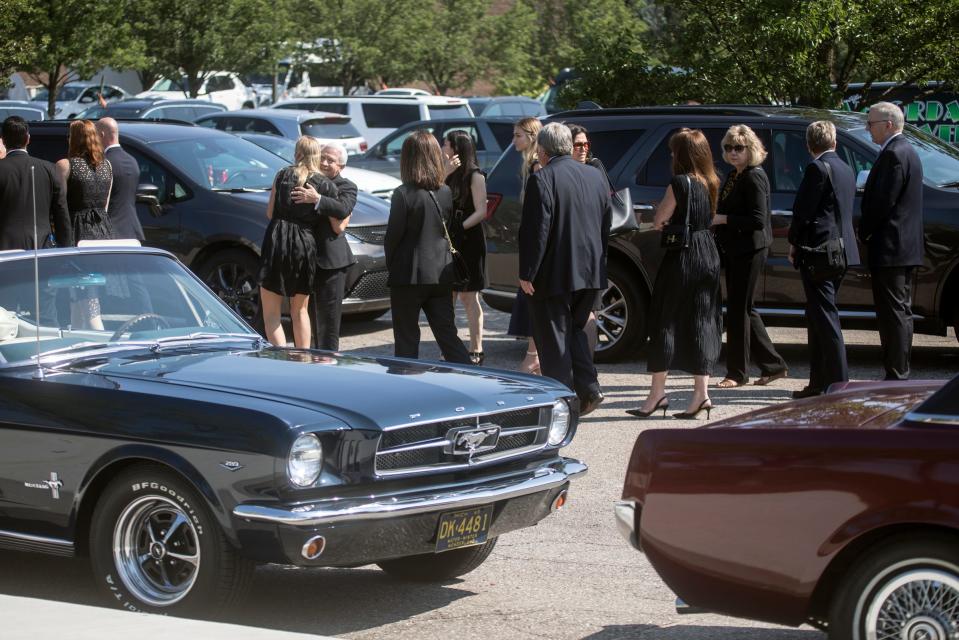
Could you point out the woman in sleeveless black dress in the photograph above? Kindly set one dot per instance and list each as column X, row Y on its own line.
column 88, row 177
column 468, row 185
column 685, row 321
column 288, row 260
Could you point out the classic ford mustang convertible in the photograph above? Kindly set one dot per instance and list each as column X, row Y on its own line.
column 144, row 424
column 841, row 511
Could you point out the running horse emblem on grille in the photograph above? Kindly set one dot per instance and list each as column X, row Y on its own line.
column 472, row 440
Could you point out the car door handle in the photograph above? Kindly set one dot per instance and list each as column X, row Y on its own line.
column 782, row 212
column 639, row 208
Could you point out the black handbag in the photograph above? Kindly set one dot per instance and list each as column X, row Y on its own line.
column 676, row 236
column 624, row 218
column 461, row 272
column 826, row 261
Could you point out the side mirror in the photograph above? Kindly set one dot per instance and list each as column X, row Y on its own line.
column 149, row 194
column 861, row 180
column 87, row 99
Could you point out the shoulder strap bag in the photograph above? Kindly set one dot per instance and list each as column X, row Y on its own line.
column 676, row 236
column 826, row 261
column 460, row 270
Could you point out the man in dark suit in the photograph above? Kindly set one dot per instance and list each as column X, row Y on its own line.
column 562, row 260
column 822, row 212
column 334, row 257
column 126, row 177
column 17, row 194
column 891, row 230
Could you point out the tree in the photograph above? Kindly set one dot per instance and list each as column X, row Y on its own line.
column 72, row 39
column 14, row 48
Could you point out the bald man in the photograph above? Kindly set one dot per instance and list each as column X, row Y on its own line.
column 126, row 177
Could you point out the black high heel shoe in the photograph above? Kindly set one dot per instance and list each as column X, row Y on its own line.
column 639, row 413
column 706, row 405
column 477, row 357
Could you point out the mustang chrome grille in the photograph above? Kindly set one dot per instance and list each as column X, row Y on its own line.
column 460, row 443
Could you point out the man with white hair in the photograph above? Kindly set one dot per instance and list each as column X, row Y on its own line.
column 891, row 229
column 334, row 257
column 562, row 260
column 126, row 178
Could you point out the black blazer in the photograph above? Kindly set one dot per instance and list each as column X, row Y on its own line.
column 748, row 225
column 416, row 247
column 891, row 222
column 564, row 232
column 123, row 194
column 333, row 250
column 16, row 203
column 819, row 200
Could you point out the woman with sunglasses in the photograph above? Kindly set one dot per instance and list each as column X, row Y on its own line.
column 744, row 231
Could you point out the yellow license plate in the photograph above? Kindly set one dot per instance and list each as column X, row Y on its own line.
column 463, row 528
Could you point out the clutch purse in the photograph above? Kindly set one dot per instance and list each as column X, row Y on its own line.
column 676, row 236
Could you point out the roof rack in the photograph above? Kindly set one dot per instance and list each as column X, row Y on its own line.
column 704, row 109
column 120, row 119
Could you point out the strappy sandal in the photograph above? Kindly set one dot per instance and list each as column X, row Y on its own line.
column 728, row 383
column 762, row 381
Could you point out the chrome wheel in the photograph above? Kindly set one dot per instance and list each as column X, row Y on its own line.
column 156, row 550
column 921, row 604
column 236, row 285
column 611, row 318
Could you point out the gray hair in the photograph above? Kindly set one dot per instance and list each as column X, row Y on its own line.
column 340, row 151
column 891, row 112
column 821, row 136
column 555, row 139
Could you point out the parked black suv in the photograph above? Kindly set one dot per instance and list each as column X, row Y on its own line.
column 632, row 143
column 203, row 196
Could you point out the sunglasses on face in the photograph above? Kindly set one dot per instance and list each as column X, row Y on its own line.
column 581, row 145
column 738, row 148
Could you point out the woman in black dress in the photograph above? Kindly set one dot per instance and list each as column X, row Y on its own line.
column 289, row 258
column 88, row 177
column 744, row 229
column 685, row 325
column 468, row 184
column 421, row 271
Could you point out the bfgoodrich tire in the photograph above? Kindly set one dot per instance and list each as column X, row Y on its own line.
column 436, row 567
column 908, row 588
column 621, row 319
column 155, row 547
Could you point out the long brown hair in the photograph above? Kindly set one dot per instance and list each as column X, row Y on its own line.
column 85, row 143
column 421, row 161
column 691, row 154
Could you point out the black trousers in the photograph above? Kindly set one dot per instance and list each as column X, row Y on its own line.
column 827, row 350
column 436, row 301
column 326, row 307
column 892, row 292
column 746, row 334
column 558, row 328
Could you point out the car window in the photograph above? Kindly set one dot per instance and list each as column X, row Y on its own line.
column 789, row 159
column 342, row 108
column 217, row 161
column 448, row 111
column 49, row 148
column 493, row 110
column 389, row 116
column 171, row 84
column 394, row 146
column 609, row 146
column 31, row 114
column 940, row 161
column 503, row 132
column 329, row 130
column 202, row 110
column 658, row 170
column 260, row 125
column 186, row 114
column 533, row 109
column 152, row 173
column 857, row 160
column 112, row 93
column 209, row 123
column 219, row 83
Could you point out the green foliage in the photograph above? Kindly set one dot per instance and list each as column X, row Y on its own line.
column 14, row 48
column 84, row 36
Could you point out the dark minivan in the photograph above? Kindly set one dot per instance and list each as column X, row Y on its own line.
column 632, row 143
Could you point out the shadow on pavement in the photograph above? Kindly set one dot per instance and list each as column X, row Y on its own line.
column 698, row 632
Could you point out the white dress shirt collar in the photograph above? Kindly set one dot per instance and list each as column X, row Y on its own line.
column 888, row 140
column 9, row 151
column 117, row 145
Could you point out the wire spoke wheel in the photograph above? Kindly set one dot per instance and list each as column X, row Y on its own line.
column 921, row 604
column 156, row 550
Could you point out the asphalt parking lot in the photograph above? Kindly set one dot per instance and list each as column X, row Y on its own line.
column 572, row 576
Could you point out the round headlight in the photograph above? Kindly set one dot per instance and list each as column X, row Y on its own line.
column 306, row 460
column 559, row 423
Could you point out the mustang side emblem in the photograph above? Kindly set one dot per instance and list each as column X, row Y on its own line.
column 53, row 485
column 471, row 440
column 231, row 465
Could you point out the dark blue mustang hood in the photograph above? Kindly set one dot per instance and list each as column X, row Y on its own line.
column 363, row 392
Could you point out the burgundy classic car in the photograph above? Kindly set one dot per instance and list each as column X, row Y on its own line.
column 840, row 511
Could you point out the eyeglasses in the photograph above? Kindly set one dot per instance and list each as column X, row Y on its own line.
column 581, row 145
column 738, row 148
column 869, row 123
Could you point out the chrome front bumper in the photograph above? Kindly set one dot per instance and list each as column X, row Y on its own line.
column 625, row 511
column 491, row 489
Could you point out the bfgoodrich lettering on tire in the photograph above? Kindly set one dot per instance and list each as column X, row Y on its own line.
column 436, row 567
column 155, row 547
column 907, row 589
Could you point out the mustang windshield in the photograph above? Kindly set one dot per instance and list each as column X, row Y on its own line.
column 106, row 300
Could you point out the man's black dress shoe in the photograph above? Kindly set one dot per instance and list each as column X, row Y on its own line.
column 806, row 392
column 589, row 404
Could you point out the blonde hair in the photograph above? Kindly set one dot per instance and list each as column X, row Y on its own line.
column 531, row 127
column 821, row 136
column 742, row 134
column 306, row 158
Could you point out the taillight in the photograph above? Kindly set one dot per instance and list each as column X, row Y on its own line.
column 492, row 201
column 363, row 145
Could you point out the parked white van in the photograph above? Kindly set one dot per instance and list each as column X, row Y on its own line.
column 376, row 116
column 221, row 86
